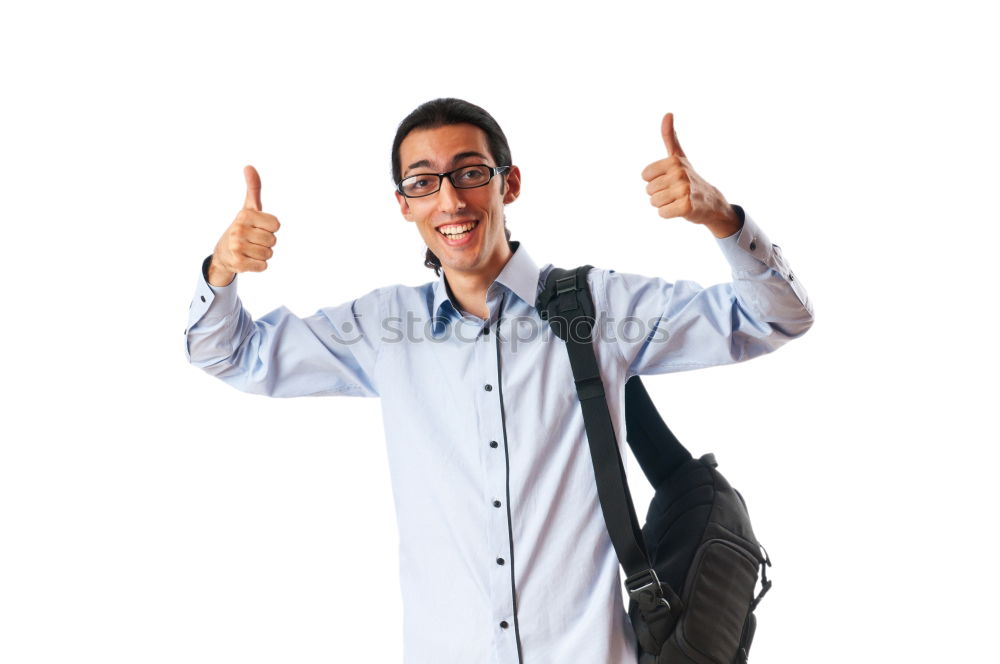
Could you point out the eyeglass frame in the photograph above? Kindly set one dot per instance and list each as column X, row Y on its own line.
column 494, row 171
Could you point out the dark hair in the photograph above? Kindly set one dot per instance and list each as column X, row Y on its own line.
column 450, row 111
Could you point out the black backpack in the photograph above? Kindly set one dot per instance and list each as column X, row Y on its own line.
column 691, row 570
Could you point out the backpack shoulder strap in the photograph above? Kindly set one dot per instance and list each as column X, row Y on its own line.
column 654, row 445
column 565, row 302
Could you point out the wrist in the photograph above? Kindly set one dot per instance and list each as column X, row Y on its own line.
column 218, row 276
column 726, row 225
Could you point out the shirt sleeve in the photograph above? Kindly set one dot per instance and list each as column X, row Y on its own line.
column 332, row 352
column 661, row 327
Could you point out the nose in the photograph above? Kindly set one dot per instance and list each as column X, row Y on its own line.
column 449, row 199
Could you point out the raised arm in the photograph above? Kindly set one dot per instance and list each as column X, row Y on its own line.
column 332, row 352
column 679, row 326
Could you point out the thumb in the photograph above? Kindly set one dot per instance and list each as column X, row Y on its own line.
column 670, row 137
column 253, row 189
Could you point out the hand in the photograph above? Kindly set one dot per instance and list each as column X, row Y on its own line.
column 246, row 244
column 677, row 191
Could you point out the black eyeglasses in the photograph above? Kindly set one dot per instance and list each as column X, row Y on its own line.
column 466, row 177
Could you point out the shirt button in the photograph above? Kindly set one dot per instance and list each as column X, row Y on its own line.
column 202, row 298
column 753, row 245
column 503, row 623
column 493, row 444
column 486, row 331
column 791, row 276
column 499, row 561
column 496, row 503
column 488, row 387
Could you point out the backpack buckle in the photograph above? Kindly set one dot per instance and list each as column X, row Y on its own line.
column 590, row 388
column 566, row 284
column 566, row 294
column 645, row 589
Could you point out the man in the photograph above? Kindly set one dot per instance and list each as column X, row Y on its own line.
column 504, row 553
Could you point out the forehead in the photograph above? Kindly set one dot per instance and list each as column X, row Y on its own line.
column 439, row 146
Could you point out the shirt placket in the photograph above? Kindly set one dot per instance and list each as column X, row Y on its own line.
column 496, row 451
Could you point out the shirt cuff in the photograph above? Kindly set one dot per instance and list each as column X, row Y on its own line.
column 750, row 252
column 748, row 247
column 212, row 302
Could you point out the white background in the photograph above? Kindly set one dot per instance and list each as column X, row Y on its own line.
column 151, row 513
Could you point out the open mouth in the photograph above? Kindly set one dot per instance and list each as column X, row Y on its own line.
column 456, row 233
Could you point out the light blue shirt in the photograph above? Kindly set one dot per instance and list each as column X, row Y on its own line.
column 504, row 554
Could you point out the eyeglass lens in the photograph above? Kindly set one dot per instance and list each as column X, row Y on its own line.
column 467, row 177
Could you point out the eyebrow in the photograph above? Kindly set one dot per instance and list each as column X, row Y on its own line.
column 454, row 160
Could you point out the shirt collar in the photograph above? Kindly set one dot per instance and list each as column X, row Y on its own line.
column 519, row 275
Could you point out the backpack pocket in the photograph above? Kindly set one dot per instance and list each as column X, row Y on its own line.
column 721, row 588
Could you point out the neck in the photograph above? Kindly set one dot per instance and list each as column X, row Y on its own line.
column 468, row 288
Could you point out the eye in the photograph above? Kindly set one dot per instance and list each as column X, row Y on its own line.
column 419, row 184
column 473, row 174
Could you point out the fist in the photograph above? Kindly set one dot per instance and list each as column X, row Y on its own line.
column 246, row 244
column 675, row 190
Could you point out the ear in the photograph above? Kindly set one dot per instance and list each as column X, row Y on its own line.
column 512, row 185
column 404, row 206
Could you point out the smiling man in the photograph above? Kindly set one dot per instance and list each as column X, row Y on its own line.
column 504, row 553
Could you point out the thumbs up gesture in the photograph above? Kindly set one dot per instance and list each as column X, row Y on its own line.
column 677, row 191
column 246, row 244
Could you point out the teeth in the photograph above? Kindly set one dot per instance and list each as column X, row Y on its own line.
column 457, row 230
